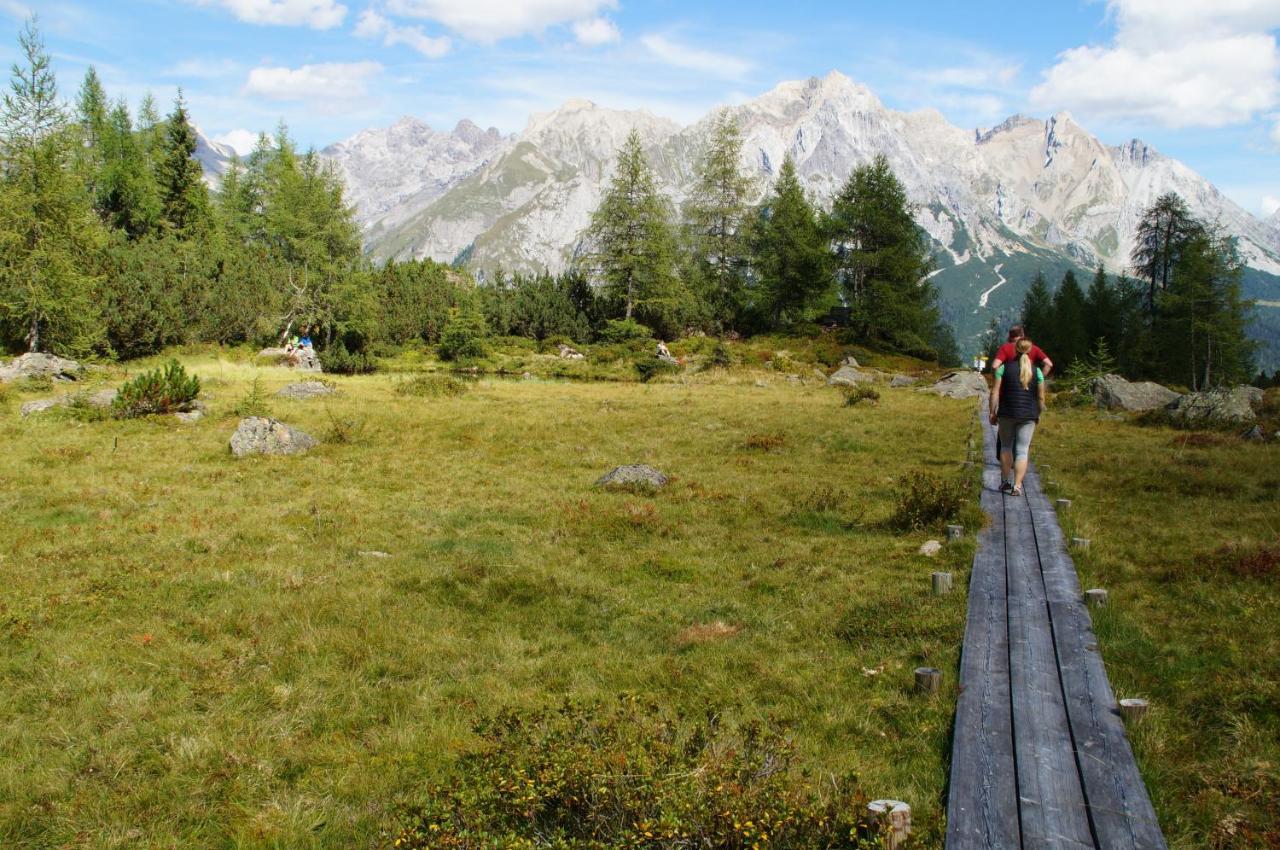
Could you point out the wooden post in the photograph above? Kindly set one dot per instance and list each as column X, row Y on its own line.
column 954, row 532
column 928, row 680
column 1063, row 505
column 941, row 584
column 1080, row 544
column 1095, row 598
column 1133, row 709
column 891, row 820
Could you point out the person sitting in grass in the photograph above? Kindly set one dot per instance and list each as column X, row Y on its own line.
column 1016, row 402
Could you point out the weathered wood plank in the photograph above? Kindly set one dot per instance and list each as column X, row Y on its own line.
column 982, row 803
column 1052, row 807
column 1119, row 807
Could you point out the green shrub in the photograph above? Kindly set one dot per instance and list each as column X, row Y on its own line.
column 925, row 500
column 859, row 393
column 434, row 386
column 631, row 775
column 650, row 366
column 721, row 357
column 622, row 330
column 337, row 360
column 166, row 390
column 463, row 337
column 254, row 403
column 345, row 430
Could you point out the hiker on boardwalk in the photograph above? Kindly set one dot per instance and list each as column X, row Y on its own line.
column 1007, row 352
column 1016, row 401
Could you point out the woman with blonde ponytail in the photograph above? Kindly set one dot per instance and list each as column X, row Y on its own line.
column 1016, row 404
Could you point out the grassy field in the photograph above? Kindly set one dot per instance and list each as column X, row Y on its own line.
column 1185, row 535
column 200, row 651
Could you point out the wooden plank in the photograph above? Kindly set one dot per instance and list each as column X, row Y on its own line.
column 1119, row 807
column 1062, row 584
column 1052, row 809
column 982, row 802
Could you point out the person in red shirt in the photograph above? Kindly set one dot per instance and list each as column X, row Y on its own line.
column 1007, row 353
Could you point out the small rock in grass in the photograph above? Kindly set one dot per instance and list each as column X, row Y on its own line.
column 305, row 390
column 189, row 416
column 374, row 553
column 260, row 435
column 41, row 405
column 931, row 548
column 636, row 476
column 902, row 381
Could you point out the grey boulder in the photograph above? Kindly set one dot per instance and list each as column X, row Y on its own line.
column 635, row 476
column 1221, row 408
column 41, row 405
column 902, row 381
column 264, row 436
column 38, row 365
column 964, row 384
column 1112, row 392
column 848, row 376
column 305, row 390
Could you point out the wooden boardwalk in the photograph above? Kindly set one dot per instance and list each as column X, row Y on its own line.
column 1040, row 758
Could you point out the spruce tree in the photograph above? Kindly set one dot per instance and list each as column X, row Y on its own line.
column 184, row 198
column 883, row 260
column 790, row 256
column 716, row 217
column 1037, row 313
column 127, row 196
column 630, row 242
column 1070, row 337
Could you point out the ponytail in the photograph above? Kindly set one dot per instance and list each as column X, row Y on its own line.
column 1025, row 370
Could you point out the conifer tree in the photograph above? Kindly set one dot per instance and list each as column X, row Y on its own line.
column 1037, row 312
column 630, row 242
column 1069, row 338
column 47, row 228
column 91, row 117
column 790, row 255
column 127, row 196
column 1162, row 231
column 184, row 198
column 883, row 259
column 716, row 217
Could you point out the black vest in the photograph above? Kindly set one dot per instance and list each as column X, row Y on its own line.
column 1015, row 402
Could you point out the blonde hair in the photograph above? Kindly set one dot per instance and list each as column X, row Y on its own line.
column 1025, row 371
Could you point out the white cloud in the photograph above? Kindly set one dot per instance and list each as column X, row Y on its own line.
column 14, row 9
column 317, row 14
column 374, row 25
column 695, row 59
column 1177, row 63
column 492, row 20
column 240, row 140
column 330, row 82
column 594, row 32
column 202, row 69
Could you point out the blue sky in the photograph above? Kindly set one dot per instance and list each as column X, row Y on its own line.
column 1199, row 80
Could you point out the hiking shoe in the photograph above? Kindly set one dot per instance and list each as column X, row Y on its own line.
column 1006, row 486
column 1015, row 491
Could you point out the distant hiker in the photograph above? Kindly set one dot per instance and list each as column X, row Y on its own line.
column 1016, row 401
column 663, row 351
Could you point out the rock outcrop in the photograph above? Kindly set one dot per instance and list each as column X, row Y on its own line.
column 302, row 359
column 847, row 376
column 633, row 477
column 38, row 365
column 1221, row 408
column 962, row 384
column 260, row 435
column 1112, row 392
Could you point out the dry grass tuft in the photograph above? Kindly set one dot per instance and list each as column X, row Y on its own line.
column 701, row 633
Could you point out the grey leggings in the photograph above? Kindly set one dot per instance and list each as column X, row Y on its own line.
column 1016, row 434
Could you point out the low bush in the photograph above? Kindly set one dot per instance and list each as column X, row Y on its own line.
column 632, row 775
column 622, row 330
column 337, row 360
column 859, row 393
column 166, row 390
column 345, row 430
column 434, row 386
column 650, row 366
column 463, row 337
column 926, row 500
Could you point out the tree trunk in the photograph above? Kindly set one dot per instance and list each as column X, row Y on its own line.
column 33, row 335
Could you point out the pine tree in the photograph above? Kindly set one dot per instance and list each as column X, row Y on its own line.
column 1037, row 312
column 631, row 246
column 1070, row 337
column 127, row 196
column 716, row 217
column 790, row 255
column 1162, row 231
column 91, row 116
column 1102, row 319
column 883, row 260
column 48, row 236
column 184, row 198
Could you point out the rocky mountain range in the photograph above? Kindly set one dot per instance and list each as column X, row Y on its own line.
column 999, row 203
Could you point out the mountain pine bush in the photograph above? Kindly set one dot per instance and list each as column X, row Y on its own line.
column 166, row 390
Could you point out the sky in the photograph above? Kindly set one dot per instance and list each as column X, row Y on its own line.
column 1197, row 79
